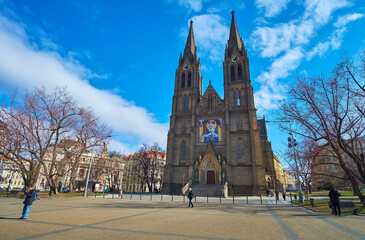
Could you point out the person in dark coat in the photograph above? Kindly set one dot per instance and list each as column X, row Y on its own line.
column 191, row 196
column 267, row 192
column 29, row 198
column 335, row 201
column 277, row 194
column 284, row 194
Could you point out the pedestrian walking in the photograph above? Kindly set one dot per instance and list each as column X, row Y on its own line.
column 31, row 195
column 284, row 194
column 277, row 194
column 191, row 195
column 335, row 201
column 120, row 193
column 267, row 192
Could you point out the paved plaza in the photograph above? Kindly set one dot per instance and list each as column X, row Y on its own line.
column 98, row 218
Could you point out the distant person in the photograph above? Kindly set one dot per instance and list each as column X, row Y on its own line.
column 30, row 195
column 120, row 193
column 191, row 195
column 267, row 192
column 284, row 194
column 335, row 201
column 277, row 194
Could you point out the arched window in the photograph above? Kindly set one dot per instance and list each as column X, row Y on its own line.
column 240, row 151
column 189, row 80
column 232, row 74
column 239, row 73
column 238, row 103
column 185, row 103
column 182, row 152
column 183, row 81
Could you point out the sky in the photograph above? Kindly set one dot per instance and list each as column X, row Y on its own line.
column 120, row 57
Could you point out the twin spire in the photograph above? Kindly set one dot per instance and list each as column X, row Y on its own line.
column 233, row 41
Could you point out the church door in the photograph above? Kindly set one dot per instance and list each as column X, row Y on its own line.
column 210, row 177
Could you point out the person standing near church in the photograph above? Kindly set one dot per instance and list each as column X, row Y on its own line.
column 335, row 200
column 29, row 198
column 191, row 195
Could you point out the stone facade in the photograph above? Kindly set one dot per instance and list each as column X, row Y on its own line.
column 213, row 140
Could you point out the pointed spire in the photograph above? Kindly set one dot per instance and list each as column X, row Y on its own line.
column 234, row 37
column 190, row 42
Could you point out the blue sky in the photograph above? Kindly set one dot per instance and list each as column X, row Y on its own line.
column 120, row 57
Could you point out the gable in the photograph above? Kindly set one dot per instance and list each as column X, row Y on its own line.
column 210, row 101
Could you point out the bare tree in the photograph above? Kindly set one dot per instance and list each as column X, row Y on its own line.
column 328, row 111
column 148, row 166
column 38, row 125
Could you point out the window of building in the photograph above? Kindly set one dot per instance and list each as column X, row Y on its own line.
column 183, row 129
column 182, row 152
column 189, row 80
column 335, row 167
column 330, row 167
column 238, row 103
column 232, row 74
column 185, row 103
column 238, row 124
column 183, row 80
column 240, row 73
column 240, row 151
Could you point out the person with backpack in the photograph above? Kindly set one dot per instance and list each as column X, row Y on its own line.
column 191, row 195
column 30, row 196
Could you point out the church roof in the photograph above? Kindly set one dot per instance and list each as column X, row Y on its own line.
column 234, row 37
column 190, row 43
column 210, row 88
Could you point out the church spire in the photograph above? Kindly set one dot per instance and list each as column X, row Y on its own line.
column 234, row 37
column 190, row 49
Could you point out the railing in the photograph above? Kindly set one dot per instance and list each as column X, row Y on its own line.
column 158, row 197
column 186, row 187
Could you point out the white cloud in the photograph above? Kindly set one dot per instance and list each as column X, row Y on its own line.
column 23, row 65
column 210, row 35
column 272, row 7
column 321, row 10
column 344, row 20
column 195, row 5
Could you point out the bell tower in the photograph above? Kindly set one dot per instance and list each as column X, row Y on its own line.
column 238, row 91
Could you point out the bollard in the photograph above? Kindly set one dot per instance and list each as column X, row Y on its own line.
column 195, row 198
column 291, row 200
column 207, row 198
column 113, row 196
column 151, row 197
column 276, row 200
column 247, row 199
column 140, row 196
column 184, row 197
column 261, row 199
column 312, row 201
column 233, row 198
column 161, row 197
column 95, row 194
column 172, row 197
column 220, row 198
column 131, row 195
column 103, row 194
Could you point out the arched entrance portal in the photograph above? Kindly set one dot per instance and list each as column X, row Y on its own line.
column 209, row 171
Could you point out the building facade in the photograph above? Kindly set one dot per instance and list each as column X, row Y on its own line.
column 213, row 140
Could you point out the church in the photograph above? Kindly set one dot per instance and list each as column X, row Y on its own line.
column 214, row 142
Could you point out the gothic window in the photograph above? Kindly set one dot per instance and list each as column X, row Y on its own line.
column 240, row 151
column 183, row 129
column 239, row 73
column 189, row 80
column 182, row 152
column 185, row 103
column 183, row 80
column 238, row 103
column 232, row 74
column 238, row 124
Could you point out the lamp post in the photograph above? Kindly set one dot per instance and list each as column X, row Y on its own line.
column 88, row 174
column 292, row 143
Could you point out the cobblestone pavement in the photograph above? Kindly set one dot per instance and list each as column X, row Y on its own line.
column 98, row 218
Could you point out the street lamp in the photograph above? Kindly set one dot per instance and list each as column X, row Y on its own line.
column 88, row 174
column 292, row 143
